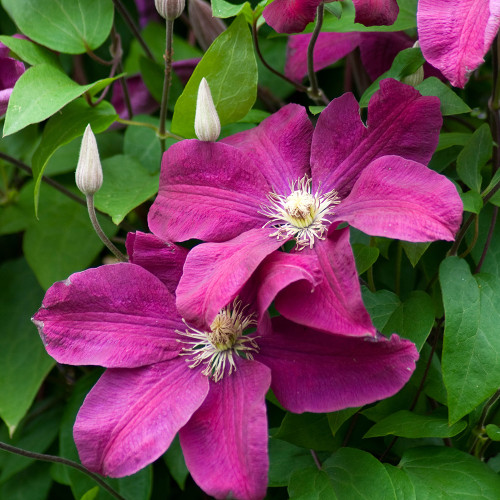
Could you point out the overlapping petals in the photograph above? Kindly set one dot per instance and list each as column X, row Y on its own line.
column 455, row 36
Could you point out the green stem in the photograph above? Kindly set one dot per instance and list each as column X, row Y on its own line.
column 169, row 24
column 63, row 461
column 100, row 232
column 482, row 421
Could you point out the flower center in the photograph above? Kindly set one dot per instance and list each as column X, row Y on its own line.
column 216, row 348
column 302, row 214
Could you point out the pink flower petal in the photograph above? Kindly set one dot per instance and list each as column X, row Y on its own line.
column 400, row 122
column 279, row 147
column 280, row 269
column 329, row 48
column 399, row 198
column 376, row 12
column 335, row 304
column 215, row 273
column 455, row 36
column 320, row 372
column 225, row 442
column 210, row 191
column 131, row 416
column 10, row 71
column 162, row 259
column 118, row 315
column 290, row 16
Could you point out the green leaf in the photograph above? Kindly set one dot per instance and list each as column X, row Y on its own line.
column 413, row 319
column 451, row 104
column 403, row 486
column 406, row 19
column 65, row 126
column 365, row 256
column 142, row 143
column 20, row 346
column 223, row 9
column 284, row 460
column 91, row 494
column 471, row 347
column 309, row 430
column 37, row 435
column 31, row 484
column 449, row 139
column 410, row 425
column 493, row 432
column 176, row 464
column 40, row 92
column 231, row 71
column 380, row 305
column 126, row 185
column 473, row 202
column 449, row 474
column 70, row 26
column 474, row 156
column 348, row 473
column 405, row 63
column 310, row 484
column 338, row 418
column 63, row 241
column 414, row 251
column 28, row 51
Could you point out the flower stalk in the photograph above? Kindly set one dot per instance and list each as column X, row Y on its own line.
column 167, row 79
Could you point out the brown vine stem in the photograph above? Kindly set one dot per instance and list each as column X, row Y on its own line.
column 169, row 26
column 133, row 28
column 59, row 460
column 298, row 86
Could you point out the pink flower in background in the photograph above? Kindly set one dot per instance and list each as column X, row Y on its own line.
column 455, row 36
column 10, row 71
column 140, row 98
column 292, row 16
column 250, row 193
column 147, row 12
column 378, row 51
column 208, row 383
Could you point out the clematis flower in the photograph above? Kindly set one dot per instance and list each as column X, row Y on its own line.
column 378, row 51
column 287, row 16
column 455, row 36
column 147, row 12
column 10, row 71
column 250, row 193
column 208, row 383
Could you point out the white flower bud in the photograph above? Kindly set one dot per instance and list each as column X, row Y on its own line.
column 206, row 121
column 170, row 9
column 88, row 174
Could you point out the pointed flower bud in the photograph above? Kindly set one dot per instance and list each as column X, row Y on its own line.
column 89, row 171
column 170, row 9
column 206, row 121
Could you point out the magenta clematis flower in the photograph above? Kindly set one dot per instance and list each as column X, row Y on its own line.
column 292, row 16
column 455, row 36
column 378, row 51
column 251, row 192
column 10, row 71
column 147, row 12
column 208, row 383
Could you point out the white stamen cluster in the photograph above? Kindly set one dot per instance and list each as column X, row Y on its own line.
column 301, row 214
column 216, row 348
